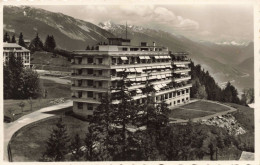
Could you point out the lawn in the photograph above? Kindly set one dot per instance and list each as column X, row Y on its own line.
column 206, row 106
column 12, row 107
column 196, row 109
column 54, row 89
column 187, row 114
column 29, row 144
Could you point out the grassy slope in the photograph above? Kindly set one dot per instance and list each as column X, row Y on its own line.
column 29, row 144
column 55, row 90
column 46, row 61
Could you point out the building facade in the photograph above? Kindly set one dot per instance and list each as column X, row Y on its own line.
column 96, row 72
column 18, row 51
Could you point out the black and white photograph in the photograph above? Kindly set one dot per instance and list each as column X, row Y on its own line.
column 128, row 82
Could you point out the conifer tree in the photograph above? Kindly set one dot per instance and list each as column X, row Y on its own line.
column 75, row 148
column 52, row 42
column 57, row 144
column 101, row 124
column 21, row 40
column 47, row 43
column 13, row 39
column 91, row 143
column 36, row 44
column 6, row 37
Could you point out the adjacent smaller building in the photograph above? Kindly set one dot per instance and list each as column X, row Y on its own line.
column 17, row 50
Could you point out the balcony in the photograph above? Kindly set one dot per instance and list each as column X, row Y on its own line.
column 90, row 77
column 86, row 100
column 90, row 65
column 182, row 79
column 173, row 89
column 89, row 88
column 138, row 65
column 181, row 62
column 181, row 70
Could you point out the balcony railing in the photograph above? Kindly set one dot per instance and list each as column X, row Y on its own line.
column 181, row 70
column 90, row 88
column 86, row 100
column 182, row 78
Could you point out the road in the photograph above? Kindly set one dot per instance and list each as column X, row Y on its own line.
column 11, row 128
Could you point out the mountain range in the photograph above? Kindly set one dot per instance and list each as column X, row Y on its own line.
column 225, row 62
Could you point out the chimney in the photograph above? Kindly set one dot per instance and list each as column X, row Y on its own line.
column 153, row 46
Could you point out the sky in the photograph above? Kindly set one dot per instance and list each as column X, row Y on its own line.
column 215, row 23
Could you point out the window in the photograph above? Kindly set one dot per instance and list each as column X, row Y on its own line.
column 183, row 92
column 113, row 61
column 100, row 83
column 166, row 96
column 80, row 105
column 174, row 102
column 170, row 95
column 90, row 94
column 187, row 90
column 90, row 82
column 178, row 101
column 124, row 49
column 100, row 60
column 90, row 60
column 90, row 71
column 79, row 60
column 187, row 98
column 79, row 94
column 100, row 72
column 178, row 93
column 182, row 100
column 90, row 107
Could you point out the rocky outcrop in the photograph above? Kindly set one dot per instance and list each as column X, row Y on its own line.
column 227, row 122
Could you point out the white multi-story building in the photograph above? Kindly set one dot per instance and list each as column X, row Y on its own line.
column 17, row 50
column 96, row 72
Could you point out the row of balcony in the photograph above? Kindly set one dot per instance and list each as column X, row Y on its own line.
column 106, row 66
column 130, row 75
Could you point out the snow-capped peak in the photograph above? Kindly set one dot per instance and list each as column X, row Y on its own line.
column 234, row 43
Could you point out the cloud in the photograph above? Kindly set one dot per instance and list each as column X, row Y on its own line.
column 159, row 16
column 205, row 33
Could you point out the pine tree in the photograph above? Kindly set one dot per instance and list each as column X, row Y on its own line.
column 47, row 43
column 15, row 66
column 101, row 124
column 123, row 115
column 13, row 39
column 75, row 148
column 36, row 44
column 52, row 42
column 21, row 41
column 8, row 79
column 57, row 144
column 6, row 37
column 91, row 143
